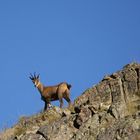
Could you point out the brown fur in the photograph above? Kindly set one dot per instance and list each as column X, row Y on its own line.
column 52, row 93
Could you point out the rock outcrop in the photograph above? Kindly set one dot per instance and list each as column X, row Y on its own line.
column 109, row 110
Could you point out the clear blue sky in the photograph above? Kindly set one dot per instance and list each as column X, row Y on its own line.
column 77, row 41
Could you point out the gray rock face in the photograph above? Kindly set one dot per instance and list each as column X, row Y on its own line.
column 32, row 137
column 108, row 111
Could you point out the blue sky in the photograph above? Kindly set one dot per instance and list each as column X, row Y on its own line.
column 77, row 41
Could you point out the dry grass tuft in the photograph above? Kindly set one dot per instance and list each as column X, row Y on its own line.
column 31, row 123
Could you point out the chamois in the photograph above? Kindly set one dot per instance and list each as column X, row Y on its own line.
column 52, row 93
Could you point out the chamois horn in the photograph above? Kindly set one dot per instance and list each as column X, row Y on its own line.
column 32, row 77
column 36, row 76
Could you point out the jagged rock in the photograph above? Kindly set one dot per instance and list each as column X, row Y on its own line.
column 57, row 130
column 125, row 128
column 84, row 114
column 32, row 137
column 88, row 130
column 109, row 110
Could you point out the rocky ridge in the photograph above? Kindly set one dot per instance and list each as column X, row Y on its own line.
column 109, row 110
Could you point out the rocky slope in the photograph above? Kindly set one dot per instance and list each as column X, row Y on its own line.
column 109, row 110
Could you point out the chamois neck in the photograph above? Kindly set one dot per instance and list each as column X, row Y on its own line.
column 40, row 87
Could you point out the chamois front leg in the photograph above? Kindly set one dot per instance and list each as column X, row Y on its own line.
column 47, row 106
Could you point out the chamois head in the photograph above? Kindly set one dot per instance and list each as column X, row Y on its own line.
column 35, row 79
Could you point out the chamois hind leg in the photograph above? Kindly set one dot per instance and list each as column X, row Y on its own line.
column 67, row 97
column 60, row 96
column 61, row 102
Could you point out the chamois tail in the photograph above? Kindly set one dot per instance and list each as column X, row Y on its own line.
column 69, row 86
